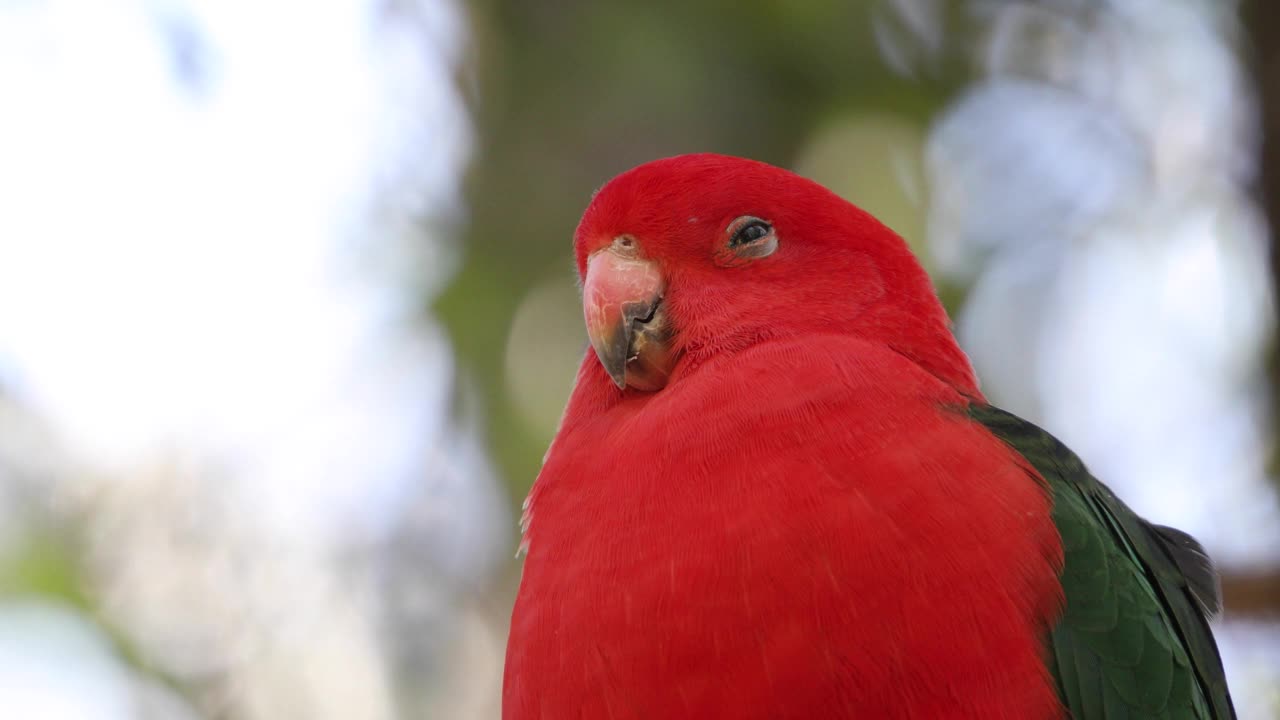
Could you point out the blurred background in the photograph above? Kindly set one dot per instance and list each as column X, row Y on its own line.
column 288, row 313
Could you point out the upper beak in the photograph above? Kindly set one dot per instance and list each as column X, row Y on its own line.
column 622, row 303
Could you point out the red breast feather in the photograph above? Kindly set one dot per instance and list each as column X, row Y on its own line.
column 809, row 528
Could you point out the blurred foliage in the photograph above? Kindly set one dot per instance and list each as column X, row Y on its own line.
column 47, row 566
column 44, row 564
column 563, row 81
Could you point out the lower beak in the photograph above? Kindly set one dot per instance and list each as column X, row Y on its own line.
column 627, row 324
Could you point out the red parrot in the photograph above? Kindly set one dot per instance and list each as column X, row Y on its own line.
column 777, row 492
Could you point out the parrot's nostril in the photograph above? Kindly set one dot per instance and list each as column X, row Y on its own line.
column 625, row 246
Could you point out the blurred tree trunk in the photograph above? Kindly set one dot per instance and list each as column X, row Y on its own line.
column 1262, row 49
column 1262, row 25
column 1252, row 594
column 1259, row 593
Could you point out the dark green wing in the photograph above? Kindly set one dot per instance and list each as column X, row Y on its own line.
column 1133, row 641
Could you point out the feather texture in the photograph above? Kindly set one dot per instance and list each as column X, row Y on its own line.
column 802, row 529
column 1134, row 640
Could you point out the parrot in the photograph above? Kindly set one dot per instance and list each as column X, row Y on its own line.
column 777, row 491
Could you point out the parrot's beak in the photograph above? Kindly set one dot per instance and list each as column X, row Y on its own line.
column 627, row 324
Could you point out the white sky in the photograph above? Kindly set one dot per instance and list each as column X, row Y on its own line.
column 189, row 270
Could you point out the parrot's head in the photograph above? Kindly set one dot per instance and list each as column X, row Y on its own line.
column 694, row 256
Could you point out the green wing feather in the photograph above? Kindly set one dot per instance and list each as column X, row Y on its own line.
column 1134, row 639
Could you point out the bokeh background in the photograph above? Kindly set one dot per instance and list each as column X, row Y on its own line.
column 288, row 314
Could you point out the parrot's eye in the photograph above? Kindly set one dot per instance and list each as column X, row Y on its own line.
column 748, row 230
column 750, row 238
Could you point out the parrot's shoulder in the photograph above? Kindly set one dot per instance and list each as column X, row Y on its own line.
column 1133, row 639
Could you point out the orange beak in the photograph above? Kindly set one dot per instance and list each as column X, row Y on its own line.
column 622, row 303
